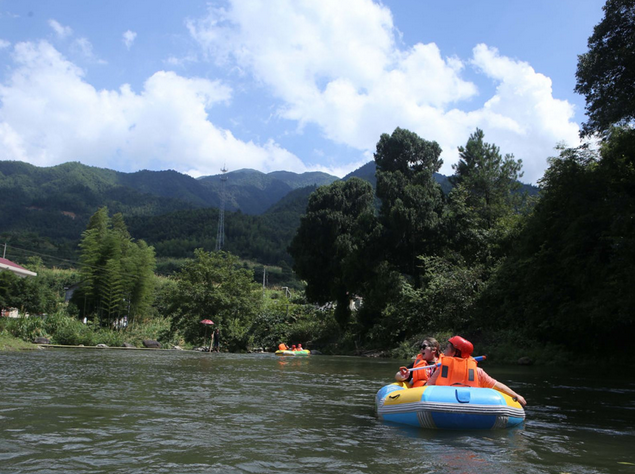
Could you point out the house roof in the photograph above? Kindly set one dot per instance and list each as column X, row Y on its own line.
column 8, row 265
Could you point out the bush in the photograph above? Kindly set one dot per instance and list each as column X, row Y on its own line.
column 157, row 329
column 69, row 331
column 109, row 337
column 25, row 328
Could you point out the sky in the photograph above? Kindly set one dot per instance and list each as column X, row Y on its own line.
column 296, row 85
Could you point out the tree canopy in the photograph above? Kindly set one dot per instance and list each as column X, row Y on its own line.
column 569, row 275
column 606, row 73
column 411, row 199
column 117, row 272
column 490, row 178
column 329, row 248
column 212, row 286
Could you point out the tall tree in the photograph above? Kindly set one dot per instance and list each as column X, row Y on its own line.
column 141, row 288
column 411, row 200
column 117, row 272
column 212, row 286
column 490, row 179
column 606, row 73
column 329, row 248
column 91, row 257
column 112, row 296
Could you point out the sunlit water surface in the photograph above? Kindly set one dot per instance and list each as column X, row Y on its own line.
column 82, row 410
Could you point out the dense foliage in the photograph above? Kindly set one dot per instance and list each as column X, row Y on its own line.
column 117, row 272
column 419, row 260
column 329, row 247
column 213, row 286
column 606, row 73
column 569, row 275
column 477, row 256
column 35, row 295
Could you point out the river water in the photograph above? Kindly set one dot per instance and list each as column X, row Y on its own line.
column 94, row 411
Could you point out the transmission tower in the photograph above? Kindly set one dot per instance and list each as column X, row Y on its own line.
column 220, row 236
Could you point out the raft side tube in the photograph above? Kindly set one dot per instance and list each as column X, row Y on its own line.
column 446, row 407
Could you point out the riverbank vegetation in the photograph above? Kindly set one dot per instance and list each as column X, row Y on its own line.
column 539, row 277
column 8, row 342
column 520, row 278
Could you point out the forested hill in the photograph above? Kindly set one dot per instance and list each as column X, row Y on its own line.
column 56, row 202
column 262, row 238
column 171, row 211
column 253, row 192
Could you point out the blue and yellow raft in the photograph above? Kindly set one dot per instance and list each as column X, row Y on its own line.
column 304, row 352
column 448, row 407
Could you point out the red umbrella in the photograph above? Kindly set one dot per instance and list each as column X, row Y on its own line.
column 206, row 322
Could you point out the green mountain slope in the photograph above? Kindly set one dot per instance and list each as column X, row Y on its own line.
column 173, row 212
column 57, row 201
column 49, row 207
column 253, row 192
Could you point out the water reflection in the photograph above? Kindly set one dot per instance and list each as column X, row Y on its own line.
column 119, row 411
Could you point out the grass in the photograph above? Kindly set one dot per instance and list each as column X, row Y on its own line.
column 11, row 343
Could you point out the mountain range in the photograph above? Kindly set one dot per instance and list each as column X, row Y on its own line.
column 49, row 207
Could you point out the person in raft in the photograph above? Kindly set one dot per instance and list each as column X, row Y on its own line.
column 428, row 355
column 458, row 368
column 283, row 347
column 300, row 347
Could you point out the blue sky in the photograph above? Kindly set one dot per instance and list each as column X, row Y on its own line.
column 296, row 85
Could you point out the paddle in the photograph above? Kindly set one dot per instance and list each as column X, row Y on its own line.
column 405, row 370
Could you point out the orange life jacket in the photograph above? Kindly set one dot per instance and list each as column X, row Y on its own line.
column 420, row 377
column 283, row 347
column 458, row 371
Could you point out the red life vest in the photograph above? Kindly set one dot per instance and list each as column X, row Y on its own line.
column 458, row 371
column 420, row 377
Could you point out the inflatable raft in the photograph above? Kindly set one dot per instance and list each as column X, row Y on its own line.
column 293, row 353
column 448, row 407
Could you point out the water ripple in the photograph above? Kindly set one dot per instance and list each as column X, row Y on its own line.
column 182, row 412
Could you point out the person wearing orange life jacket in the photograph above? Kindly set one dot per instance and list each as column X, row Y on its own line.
column 300, row 347
column 428, row 355
column 283, row 347
column 458, row 368
column 293, row 348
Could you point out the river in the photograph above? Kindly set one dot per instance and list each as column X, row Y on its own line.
column 94, row 411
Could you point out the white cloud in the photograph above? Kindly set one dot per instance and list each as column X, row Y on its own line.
column 84, row 49
column 128, row 38
column 183, row 61
column 50, row 115
column 523, row 117
column 4, row 44
column 61, row 31
column 339, row 65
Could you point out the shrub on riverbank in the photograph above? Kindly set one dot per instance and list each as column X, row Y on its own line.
column 63, row 329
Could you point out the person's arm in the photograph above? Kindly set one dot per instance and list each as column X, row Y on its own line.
column 485, row 380
column 501, row 387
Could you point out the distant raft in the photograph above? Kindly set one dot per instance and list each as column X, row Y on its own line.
column 293, row 353
column 448, row 407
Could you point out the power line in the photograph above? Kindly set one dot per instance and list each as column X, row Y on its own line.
column 43, row 255
column 79, row 264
